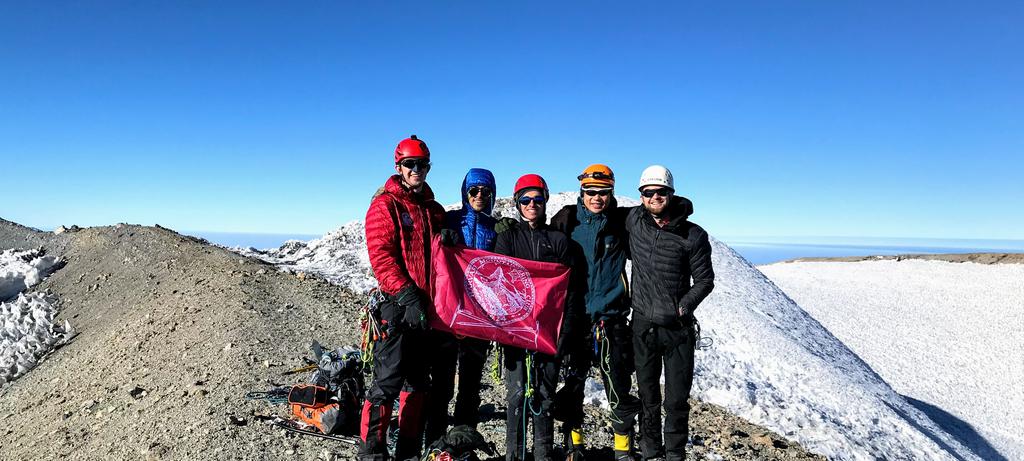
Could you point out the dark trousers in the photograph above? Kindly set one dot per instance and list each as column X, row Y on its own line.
column 448, row 354
column 609, row 346
column 541, row 383
column 672, row 346
column 399, row 372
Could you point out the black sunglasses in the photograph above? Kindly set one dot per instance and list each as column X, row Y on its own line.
column 592, row 192
column 415, row 164
column 661, row 191
column 479, row 190
column 538, row 200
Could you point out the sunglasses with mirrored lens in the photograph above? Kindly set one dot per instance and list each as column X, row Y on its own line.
column 479, row 190
column 538, row 200
column 593, row 192
column 661, row 192
column 415, row 164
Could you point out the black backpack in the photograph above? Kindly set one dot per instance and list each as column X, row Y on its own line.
column 341, row 372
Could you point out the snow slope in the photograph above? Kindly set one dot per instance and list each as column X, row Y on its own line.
column 770, row 363
column 949, row 335
column 27, row 329
column 774, row 365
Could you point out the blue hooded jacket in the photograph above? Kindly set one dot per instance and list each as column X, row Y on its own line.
column 477, row 228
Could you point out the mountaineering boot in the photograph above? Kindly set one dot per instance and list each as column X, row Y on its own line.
column 574, row 444
column 623, row 447
column 410, row 425
column 373, row 429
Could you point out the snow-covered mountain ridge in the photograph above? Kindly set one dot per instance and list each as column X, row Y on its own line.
column 770, row 362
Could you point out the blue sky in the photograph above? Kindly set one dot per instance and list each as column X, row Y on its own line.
column 885, row 119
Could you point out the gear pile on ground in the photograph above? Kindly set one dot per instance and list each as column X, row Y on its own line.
column 172, row 334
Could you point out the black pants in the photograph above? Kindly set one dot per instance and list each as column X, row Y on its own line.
column 448, row 353
column 609, row 346
column 399, row 371
column 543, row 378
column 673, row 346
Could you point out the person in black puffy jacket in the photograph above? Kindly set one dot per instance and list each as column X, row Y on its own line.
column 531, row 378
column 667, row 250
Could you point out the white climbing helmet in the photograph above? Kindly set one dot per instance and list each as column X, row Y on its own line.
column 656, row 175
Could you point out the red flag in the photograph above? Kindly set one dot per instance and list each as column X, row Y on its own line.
column 485, row 295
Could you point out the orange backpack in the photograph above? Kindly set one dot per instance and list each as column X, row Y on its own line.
column 324, row 417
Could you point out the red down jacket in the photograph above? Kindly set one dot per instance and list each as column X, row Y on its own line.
column 399, row 226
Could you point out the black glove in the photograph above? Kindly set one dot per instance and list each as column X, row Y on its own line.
column 685, row 316
column 412, row 300
column 448, row 237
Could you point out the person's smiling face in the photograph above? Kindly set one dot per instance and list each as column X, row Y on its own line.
column 596, row 200
column 413, row 171
column 478, row 197
column 655, row 198
column 532, row 211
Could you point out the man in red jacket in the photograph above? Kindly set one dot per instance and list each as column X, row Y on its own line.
column 402, row 218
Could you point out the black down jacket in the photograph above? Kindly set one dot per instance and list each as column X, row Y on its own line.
column 664, row 260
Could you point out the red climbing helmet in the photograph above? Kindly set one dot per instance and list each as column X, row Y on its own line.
column 411, row 147
column 530, row 181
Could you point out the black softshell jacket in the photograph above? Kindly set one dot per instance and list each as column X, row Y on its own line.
column 664, row 260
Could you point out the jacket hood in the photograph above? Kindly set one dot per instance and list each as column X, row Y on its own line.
column 477, row 228
column 478, row 177
column 679, row 210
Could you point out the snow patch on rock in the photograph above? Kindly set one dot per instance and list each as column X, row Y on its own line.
column 28, row 334
column 21, row 269
column 27, row 329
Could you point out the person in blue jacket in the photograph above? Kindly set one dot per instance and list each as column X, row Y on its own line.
column 472, row 226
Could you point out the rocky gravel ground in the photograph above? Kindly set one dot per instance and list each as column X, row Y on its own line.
column 174, row 332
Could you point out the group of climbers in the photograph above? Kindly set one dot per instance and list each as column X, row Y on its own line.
column 618, row 326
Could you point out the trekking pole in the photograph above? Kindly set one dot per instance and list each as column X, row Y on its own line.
column 300, row 370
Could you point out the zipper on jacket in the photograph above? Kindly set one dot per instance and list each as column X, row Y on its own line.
column 657, row 236
column 533, row 246
column 426, row 246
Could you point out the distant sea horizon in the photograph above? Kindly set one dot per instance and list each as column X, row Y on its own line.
column 757, row 250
